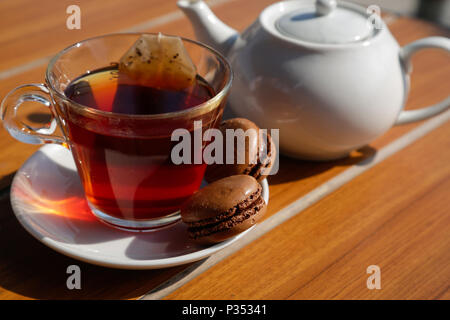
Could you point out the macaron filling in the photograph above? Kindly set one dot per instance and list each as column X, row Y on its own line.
column 229, row 219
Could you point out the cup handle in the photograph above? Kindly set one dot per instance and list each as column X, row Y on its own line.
column 408, row 116
column 20, row 130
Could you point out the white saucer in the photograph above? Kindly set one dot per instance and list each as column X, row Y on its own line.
column 48, row 200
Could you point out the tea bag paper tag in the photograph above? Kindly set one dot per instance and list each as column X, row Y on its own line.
column 158, row 61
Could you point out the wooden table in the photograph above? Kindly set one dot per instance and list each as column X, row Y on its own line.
column 386, row 205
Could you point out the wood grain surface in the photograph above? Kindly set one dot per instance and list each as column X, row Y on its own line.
column 395, row 215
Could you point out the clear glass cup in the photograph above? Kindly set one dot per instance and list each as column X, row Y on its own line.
column 123, row 160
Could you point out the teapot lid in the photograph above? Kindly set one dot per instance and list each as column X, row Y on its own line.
column 326, row 22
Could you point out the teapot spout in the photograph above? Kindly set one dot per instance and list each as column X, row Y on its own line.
column 208, row 28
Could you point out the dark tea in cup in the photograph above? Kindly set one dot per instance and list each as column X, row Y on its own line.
column 130, row 175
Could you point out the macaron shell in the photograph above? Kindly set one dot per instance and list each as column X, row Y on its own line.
column 219, row 197
column 218, row 171
column 236, row 229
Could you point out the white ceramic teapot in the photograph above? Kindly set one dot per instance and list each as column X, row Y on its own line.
column 328, row 75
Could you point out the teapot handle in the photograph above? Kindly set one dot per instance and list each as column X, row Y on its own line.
column 408, row 116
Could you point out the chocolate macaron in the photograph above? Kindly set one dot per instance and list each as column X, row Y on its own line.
column 259, row 152
column 223, row 209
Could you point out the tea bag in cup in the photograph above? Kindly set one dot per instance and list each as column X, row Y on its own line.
column 158, row 61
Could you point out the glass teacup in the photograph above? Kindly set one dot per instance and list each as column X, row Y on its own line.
column 123, row 160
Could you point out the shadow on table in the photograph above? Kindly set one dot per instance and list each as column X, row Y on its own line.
column 291, row 169
column 32, row 270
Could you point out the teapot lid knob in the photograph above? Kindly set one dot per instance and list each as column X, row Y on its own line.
column 324, row 7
